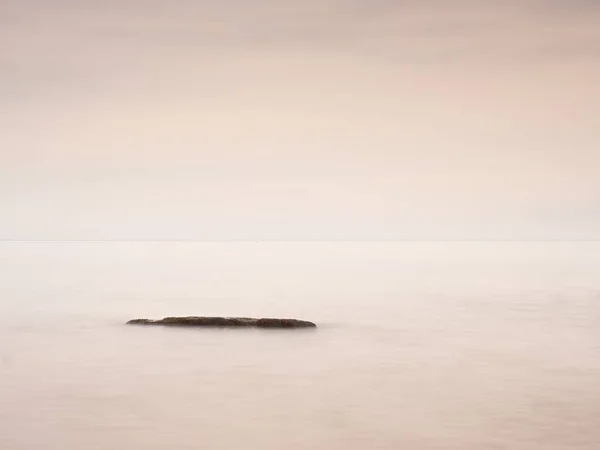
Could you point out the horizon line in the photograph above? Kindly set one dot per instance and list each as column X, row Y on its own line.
column 296, row 240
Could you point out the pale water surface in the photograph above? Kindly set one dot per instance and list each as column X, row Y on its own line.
column 421, row 346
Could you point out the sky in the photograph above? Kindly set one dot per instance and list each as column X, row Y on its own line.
column 299, row 120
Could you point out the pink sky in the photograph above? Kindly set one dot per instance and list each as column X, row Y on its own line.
column 299, row 120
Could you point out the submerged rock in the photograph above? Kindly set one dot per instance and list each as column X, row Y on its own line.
column 196, row 321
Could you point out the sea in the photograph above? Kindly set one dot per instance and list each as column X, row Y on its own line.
column 419, row 346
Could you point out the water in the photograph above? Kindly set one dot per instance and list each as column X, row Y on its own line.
column 421, row 346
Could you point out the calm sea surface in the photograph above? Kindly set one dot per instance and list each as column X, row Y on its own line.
column 421, row 346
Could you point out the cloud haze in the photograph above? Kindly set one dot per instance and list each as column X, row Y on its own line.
column 272, row 119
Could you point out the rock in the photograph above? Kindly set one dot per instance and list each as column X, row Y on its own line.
column 242, row 322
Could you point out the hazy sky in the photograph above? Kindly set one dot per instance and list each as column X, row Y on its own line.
column 305, row 119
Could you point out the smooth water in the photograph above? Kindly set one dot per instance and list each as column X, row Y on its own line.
column 421, row 346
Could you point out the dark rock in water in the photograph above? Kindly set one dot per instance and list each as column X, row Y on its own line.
column 195, row 321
